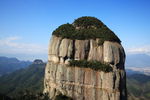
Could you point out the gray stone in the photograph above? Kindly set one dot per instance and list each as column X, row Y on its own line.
column 96, row 51
column 85, row 83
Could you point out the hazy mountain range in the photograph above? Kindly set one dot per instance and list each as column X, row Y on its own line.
column 32, row 78
column 25, row 74
column 137, row 60
column 8, row 65
column 135, row 63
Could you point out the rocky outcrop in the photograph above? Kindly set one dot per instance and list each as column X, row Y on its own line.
column 38, row 61
column 114, row 54
column 85, row 83
column 62, row 50
column 96, row 51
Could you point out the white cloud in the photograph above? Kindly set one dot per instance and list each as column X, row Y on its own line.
column 13, row 45
column 9, row 41
column 139, row 50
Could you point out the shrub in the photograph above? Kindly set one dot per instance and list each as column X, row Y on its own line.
column 96, row 65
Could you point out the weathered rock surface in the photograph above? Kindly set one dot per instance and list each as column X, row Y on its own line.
column 63, row 49
column 85, row 83
column 96, row 52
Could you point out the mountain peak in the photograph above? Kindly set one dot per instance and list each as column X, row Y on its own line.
column 85, row 28
column 85, row 62
column 38, row 61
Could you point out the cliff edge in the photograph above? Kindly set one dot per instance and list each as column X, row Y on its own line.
column 86, row 41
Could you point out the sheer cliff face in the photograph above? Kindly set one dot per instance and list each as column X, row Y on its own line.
column 85, row 83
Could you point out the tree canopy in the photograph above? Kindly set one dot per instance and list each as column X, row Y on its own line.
column 86, row 28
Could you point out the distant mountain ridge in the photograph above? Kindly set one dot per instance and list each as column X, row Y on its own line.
column 139, row 70
column 8, row 65
column 31, row 78
column 137, row 60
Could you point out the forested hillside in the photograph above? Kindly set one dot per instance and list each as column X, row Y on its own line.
column 8, row 65
column 30, row 80
column 20, row 81
column 138, row 86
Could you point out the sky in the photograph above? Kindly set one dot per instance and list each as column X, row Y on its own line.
column 27, row 25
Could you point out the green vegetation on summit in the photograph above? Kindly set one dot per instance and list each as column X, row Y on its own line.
column 86, row 28
column 65, row 31
column 88, row 22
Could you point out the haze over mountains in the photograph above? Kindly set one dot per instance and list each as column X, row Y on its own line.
column 134, row 63
column 21, row 80
column 138, row 60
column 138, row 63
column 8, row 65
